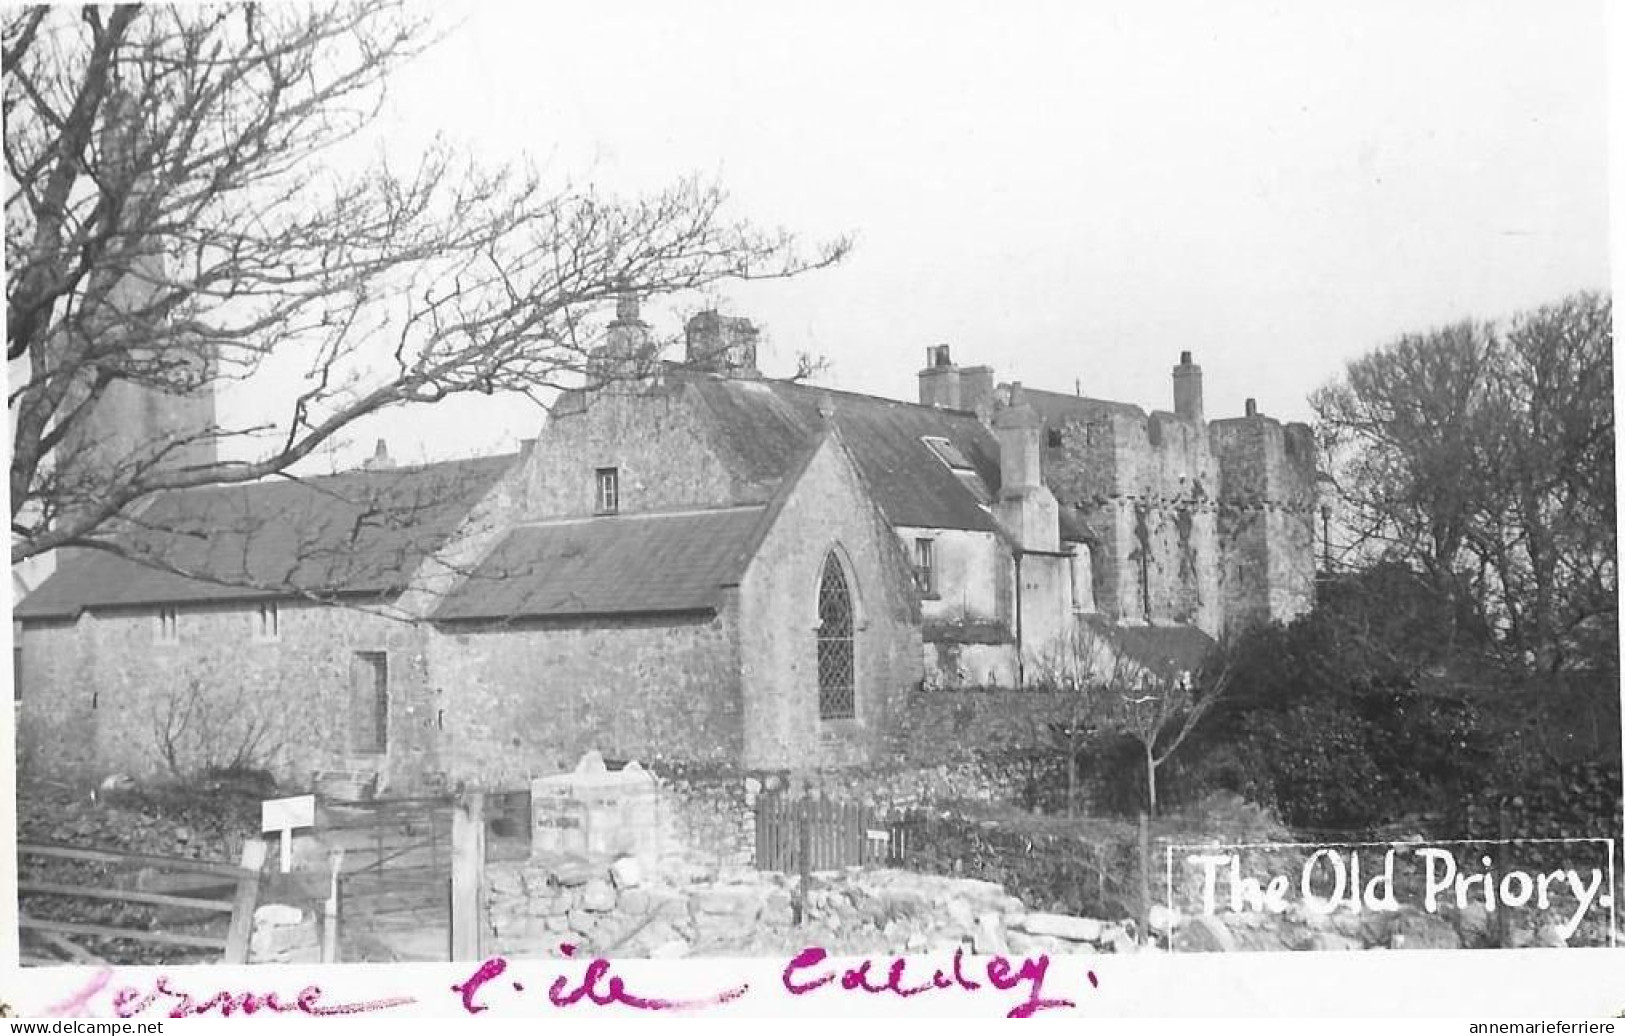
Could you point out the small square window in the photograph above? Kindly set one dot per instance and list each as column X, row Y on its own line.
column 167, row 627
column 925, row 566
column 268, row 623
column 609, row 490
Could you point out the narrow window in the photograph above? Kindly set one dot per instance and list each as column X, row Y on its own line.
column 925, row 566
column 835, row 662
column 369, row 703
column 268, row 624
column 609, row 490
column 167, row 627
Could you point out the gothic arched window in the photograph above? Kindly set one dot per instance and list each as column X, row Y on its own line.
column 835, row 657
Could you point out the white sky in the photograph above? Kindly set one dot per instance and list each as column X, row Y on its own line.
column 1067, row 190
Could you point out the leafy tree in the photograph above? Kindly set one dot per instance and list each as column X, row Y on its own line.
column 173, row 223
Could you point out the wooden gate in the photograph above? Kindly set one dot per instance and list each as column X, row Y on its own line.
column 829, row 834
column 100, row 906
column 394, row 877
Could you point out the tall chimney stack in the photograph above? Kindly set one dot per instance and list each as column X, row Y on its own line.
column 1188, row 390
column 939, row 380
column 1026, row 507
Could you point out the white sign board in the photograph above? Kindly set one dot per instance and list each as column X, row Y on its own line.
column 283, row 815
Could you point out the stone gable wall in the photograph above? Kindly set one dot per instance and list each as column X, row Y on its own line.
column 651, row 435
column 827, row 509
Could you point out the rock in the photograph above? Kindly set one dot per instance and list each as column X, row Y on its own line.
column 597, row 896
column 626, row 873
column 1473, row 925
column 1418, row 931
column 1333, row 942
column 277, row 914
column 1123, row 942
column 1205, row 934
column 989, row 936
column 1163, row 919
column 572, row 871
column 1549, row 935
column 636, row 901
column 961, row 914
column 742, row 900
column 902, row 902
column 1062, row 926
column 670, row 949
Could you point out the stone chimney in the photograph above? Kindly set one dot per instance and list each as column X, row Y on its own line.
column 380, row 459
column 1188, row 390
column 1027, row 509
column 1252, row 407
column 976, row 388
column 628, row 350
column 725, row 345
column 939, row 381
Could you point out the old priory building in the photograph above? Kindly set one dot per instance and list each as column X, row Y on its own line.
column 695, row 565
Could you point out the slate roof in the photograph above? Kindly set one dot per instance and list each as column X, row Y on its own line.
column 361, row 533
column 1164, row 650
column 612, row 565
column 763, row 426
column 1056, row 408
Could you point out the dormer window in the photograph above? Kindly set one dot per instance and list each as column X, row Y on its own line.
column 948, row 453
column 609, row 490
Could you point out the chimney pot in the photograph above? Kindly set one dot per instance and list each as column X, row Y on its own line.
column 1252, row 407
column 1185, row 356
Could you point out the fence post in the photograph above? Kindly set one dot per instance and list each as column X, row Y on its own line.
column 242, row 908
column 1145, row 878
column 467, row 878
column 1503, row 918
column 804, row 856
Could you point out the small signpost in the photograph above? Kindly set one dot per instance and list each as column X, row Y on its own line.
column 283, row 815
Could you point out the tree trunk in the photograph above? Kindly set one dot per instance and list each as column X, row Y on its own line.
column 1150, row 780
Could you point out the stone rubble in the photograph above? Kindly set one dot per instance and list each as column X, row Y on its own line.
column 595, row 906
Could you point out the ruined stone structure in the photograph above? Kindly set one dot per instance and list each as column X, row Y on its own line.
column 693, row 566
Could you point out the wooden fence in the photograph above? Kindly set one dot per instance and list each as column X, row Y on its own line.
column 829, row 835
column 178, row 901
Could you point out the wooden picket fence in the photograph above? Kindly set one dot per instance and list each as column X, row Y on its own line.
column 829, row 834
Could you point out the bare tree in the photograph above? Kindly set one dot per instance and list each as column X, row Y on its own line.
column 1157, row 706
column 171, row 226
column 1482, row 457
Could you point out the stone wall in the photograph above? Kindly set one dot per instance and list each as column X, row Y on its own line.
column 525, row 699
column 100, row 693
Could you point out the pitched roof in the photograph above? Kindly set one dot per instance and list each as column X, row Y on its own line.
column 1058, row 407
column 762, row 426
column 635, row 564
column 361, row 532
column 1164, row 650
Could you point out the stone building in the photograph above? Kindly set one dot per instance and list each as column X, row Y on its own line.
column 693, row 565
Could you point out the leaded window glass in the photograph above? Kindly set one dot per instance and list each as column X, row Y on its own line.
column 835, row 661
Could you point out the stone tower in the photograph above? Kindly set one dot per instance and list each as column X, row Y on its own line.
column 157, row 409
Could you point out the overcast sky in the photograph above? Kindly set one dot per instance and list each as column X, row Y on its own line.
column 1072, row 192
